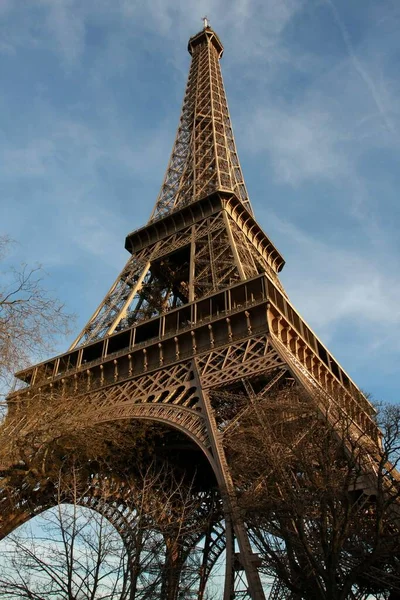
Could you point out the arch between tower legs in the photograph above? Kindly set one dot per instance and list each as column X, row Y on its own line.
column 178, row 396
column 150, row 561
column 200, row 425
column 186, row 387
column 157, row 569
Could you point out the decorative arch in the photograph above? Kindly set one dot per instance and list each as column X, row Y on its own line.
column 187, row 421
column 119, row 515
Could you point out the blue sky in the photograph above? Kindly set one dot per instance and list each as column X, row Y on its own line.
column 90, row 100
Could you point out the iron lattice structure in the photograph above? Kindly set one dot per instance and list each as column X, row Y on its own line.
column 196, row 318
column 204, row 157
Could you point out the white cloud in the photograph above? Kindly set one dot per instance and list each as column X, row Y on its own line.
column 361, row 69
column 30, row 160
column 67, row 25
column 62, row 24
column 340, row 285
column 302, row 144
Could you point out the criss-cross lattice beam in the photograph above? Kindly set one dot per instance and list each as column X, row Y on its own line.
column 204, row 158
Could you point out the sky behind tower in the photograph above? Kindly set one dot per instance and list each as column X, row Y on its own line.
column 90, row 101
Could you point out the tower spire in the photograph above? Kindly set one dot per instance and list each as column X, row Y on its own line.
column 204, row 158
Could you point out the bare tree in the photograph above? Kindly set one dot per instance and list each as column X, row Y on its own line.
column 76, row 553
column 322, row 503
column 30, row 317
column 133, row 544
column 157, row 510
column 47, row 433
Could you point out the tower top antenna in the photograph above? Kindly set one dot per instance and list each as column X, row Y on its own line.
column 206, row 22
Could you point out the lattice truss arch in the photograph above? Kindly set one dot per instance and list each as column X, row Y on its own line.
column 204, row 158
column 172, row 395
column 172, row 392
column 144, row 537
column 168, row 396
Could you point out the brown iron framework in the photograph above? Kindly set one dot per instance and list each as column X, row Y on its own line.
column 204, row 157
column 197, row 314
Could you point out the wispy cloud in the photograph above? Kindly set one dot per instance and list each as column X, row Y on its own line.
column 341, row 288
column 301, row 143
column 360, row 68
column 63, row 24
column 66, row 24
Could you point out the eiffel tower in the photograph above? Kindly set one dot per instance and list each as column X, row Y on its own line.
column 197, row 312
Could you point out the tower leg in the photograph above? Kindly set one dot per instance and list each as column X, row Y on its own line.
column 215, row 542
column 229, row 591
column 231, row 510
